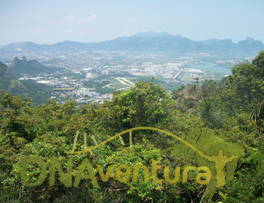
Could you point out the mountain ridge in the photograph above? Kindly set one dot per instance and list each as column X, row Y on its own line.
column 23, row 66
column 146, row 41
column 10, row 84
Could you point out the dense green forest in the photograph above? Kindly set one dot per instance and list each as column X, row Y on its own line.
column 227, row 115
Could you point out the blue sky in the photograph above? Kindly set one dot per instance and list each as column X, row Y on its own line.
column 49, row 22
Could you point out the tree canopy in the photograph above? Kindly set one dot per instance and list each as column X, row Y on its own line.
column 225, row 115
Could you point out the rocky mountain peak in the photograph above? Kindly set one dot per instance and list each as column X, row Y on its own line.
column 24, row 59
column 15, row 61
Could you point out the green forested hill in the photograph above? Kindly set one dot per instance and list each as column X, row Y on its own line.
column 5, row 76
column 8, row 83
column 217, row 119
column 23, row 66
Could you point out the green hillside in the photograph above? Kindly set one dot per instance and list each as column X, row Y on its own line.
column 8, row 83
column 32, row 67
column 205, row 144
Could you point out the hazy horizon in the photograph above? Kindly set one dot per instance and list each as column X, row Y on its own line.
column 124, row 36
column 50, row 22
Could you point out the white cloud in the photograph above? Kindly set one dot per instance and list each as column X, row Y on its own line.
column 71, row 19
column 45, row 19
column 86, row 20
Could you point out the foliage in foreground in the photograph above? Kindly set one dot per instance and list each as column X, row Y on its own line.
column 48, row 131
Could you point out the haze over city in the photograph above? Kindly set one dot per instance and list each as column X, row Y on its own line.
column 48, row 22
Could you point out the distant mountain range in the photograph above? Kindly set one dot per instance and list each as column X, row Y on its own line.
column 149, row 42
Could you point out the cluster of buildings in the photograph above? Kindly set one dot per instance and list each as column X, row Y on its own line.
column 93, row 66
column 165, row 71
